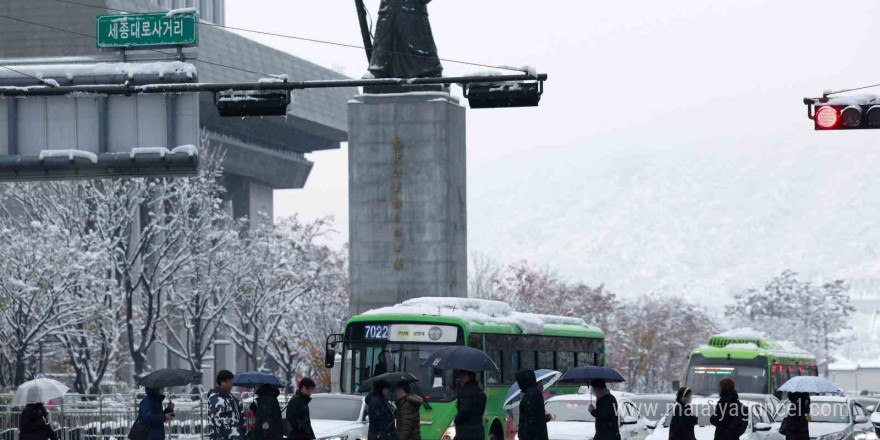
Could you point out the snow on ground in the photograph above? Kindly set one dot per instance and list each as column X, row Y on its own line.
column 476, row 310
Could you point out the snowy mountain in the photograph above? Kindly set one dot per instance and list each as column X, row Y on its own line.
column 702, row 223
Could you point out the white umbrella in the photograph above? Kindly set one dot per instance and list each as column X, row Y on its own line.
column 809, row 384
column 38, row 390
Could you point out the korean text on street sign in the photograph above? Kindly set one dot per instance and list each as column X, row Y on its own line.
column 154, row 29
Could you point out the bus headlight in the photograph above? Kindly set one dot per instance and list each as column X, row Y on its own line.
column 833, row 436
column 449, row 434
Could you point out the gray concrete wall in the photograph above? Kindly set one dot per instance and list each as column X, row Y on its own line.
column 408, row 215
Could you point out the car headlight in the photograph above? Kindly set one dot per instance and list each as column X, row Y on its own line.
column 834, row 436
column 335, row 437
column 449, row 434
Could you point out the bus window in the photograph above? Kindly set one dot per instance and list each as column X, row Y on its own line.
column 545, row 360
column 584, row 359
column 494, row 378
column 564, row 361
column 527, row 359
column 511, row 365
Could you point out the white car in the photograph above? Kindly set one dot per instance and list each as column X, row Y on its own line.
column 875, row 420
column 339, row 417
column 834, row 418
column 572, row 420
column 760, row 422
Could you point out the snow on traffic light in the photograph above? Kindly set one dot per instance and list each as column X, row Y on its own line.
column 844, row 113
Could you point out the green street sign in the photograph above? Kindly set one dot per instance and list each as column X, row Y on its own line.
column 147, row 30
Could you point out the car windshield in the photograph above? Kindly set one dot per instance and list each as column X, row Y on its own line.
column 820, row 412
column 364, row 361
column 569, row 411
column 701, row 410
column 334, row 408
column 653, row 409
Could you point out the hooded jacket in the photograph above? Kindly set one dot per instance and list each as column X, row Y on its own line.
column 226, row 416
column 409, row 417
column 469, row 419
column 795, row 425
column 532, row 416
column 729, row 417
column 299, row 418
column 606, row 415
column 151, row 414
column 32, row 424
column 682, row 423
column 381, row 416
column 267, row 414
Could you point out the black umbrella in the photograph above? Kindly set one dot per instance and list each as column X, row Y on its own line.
column 168, row 377
column 461, row 358
column 588, row 373
column 389, row 378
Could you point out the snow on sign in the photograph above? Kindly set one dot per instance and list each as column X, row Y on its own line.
column 161, row 29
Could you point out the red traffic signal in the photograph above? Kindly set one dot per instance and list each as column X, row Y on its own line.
column 843, row 114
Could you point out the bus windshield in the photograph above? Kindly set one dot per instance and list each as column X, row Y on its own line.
column 750, row 376
column 365, row 360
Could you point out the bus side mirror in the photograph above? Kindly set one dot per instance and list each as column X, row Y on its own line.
column 330, row 358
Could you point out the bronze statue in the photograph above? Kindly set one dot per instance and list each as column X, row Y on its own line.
column 404, row 45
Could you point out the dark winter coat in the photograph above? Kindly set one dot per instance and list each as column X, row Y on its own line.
column 605, row 413
column 299, row 418
column 267, row 415
column 469, row 419
column 404, row 45
column 730, row 417
column 532, row 416
column 226, row 415
column 408, row 416
column 32, row 425
column 795, row 425
column 682, row 423
column 151, row 415
column 381, row 417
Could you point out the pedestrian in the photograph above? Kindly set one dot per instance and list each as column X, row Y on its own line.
column 683, row 421
column 267, row 414
column 408, row 414
column 605, row 412
column 380, row 413
column 152, row 416
column 34, row 423
column 532, row 416
column 224, row 410
column 298, row 411
column 471, row 406
column 729, row 417
column 796, row 424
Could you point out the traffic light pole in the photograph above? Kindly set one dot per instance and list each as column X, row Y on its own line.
column 126, row 89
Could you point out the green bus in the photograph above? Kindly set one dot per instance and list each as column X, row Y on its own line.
column 400, row 338
column 756, row 363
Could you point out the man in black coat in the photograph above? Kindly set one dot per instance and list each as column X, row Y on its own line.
column 267, row 414
column 298, row 411
column 380, row 413
column 471, row 406
column 605, row 412
column 532, row 416
column 729, row 418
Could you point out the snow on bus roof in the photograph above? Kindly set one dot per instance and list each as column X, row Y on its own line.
column 743, row 333
column 480, row 311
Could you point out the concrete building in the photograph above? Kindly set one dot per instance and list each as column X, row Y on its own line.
column 261, row 154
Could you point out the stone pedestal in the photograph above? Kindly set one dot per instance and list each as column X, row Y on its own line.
column 407, row 199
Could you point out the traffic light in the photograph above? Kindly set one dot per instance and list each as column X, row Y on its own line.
column 838, row 114
column 504, row 94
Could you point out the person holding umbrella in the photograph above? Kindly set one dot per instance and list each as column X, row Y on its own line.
column 471, row 406
column 408, row 412
column 796, row 425
column 152, row 416
column 605, row 412
column 267, row 414
column 34, row 423
column 532, row 416
column 380, row 413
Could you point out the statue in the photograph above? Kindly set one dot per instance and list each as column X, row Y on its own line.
column 404, row 45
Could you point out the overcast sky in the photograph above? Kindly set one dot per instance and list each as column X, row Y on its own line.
column 633, row 85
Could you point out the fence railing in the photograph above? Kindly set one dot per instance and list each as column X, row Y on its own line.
column 110, row 416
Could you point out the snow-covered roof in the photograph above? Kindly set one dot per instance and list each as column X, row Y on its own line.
column 750, row 339
column 478, row 311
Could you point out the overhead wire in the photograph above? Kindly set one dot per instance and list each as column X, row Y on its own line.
column 295, row 37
